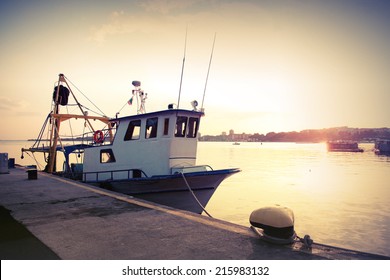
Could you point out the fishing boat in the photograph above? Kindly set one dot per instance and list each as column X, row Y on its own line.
column 147, row 155
column 382, row 147
column 343, row 146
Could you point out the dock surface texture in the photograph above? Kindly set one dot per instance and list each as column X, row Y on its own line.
column 56, row 218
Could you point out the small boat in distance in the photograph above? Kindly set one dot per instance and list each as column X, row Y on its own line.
column 343, row 146
column 382, row 147
column 147, row 155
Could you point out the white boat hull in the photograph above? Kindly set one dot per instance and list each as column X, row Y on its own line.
column 173, row 190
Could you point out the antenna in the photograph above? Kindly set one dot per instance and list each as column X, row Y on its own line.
column 182, row 68
column 208, row 71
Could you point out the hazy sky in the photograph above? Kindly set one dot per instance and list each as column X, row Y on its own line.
column 277, row 65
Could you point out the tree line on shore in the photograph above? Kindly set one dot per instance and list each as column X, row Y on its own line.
column 309, row 135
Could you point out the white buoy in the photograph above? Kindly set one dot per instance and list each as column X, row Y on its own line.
column 276, row 224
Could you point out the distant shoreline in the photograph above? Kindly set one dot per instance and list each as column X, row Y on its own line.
column 304, row 136
column 308, row 136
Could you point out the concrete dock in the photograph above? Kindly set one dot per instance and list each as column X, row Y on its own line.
column 71, row 220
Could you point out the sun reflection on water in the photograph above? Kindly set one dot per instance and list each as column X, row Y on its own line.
column 340, row 199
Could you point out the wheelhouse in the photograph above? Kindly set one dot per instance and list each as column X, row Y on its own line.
column 157, row 143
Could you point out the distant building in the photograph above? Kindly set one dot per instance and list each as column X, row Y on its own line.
column 237, row 137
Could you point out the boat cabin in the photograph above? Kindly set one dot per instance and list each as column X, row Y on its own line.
column 145, row 145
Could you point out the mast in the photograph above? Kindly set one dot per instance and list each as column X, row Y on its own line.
column 56, row 118
column 55, row 127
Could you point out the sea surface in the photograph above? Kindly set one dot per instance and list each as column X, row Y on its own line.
column 339, row 199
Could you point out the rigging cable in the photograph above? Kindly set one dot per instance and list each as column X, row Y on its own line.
column 38, row 140
column 70, row 126
column 86, row 96
column 36, row 161
column 127, row 102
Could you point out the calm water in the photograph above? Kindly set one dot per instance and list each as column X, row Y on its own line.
column 340, row 199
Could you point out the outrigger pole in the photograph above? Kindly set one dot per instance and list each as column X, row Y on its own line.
column 54, row 130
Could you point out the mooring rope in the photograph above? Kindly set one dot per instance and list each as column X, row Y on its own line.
column 193, row 194
column 306, row 240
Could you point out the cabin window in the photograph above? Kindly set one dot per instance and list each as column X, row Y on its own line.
column 166, row 126
column 151, row 128
column 107, row 156
column 181, row 126
column 193, row 125
column 133, row 130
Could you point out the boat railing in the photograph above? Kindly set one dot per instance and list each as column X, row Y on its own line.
column 127, row 174
column 122, row 174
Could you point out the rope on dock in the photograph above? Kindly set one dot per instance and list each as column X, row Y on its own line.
column 193, row 194
column 306, row 240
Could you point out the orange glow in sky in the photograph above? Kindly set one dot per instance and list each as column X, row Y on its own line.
column 277, row 65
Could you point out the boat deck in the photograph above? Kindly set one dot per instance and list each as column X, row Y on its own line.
column 77, row 221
